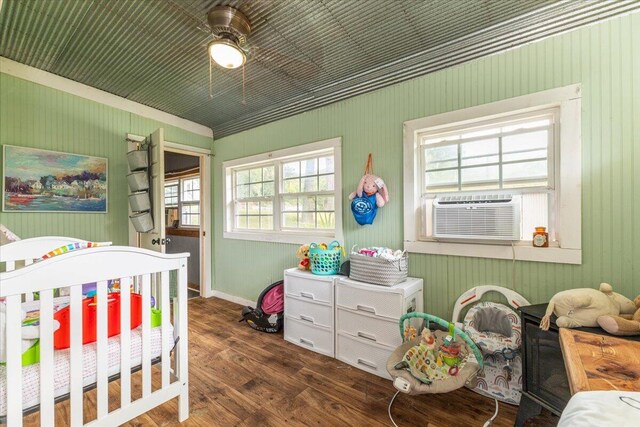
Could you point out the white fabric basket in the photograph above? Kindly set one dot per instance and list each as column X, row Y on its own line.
column 378, row 271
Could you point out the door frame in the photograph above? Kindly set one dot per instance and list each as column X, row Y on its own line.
column 206, row 253
column 205, row 210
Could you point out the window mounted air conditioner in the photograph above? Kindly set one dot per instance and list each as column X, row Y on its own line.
column 494, row 217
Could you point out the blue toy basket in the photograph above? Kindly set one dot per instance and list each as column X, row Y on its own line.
column 325, row 262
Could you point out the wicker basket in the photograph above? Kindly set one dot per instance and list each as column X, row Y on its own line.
column 325, row 262
column 378, row 271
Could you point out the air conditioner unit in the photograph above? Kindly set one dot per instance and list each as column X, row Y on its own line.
column 494, row 217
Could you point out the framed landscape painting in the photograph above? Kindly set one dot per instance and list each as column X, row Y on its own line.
column 50, row 181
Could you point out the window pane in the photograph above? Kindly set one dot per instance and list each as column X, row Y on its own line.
column 441, row 157
column 253, row 208
column 307, row 203
column 242, row 191
column 325, row 164
column 255, row 175
column 268, row 189
column 525, row 173
column 266, row 208
column 525, row 141
column 307, row 220
column 290, row 220
column 483, row 177
column 309, row 167
column 267, row 173
column 290, row 170
column 241, row 208
column 242, row 177
column 290, row 204
column 326, row 203
column 442, row 178
column 326, row 220
column 527, row 125
column 479, row 152
column 291, row 185
column 524, row 155
column 266, row 222
column 241, row 222
column 310, row 184
column 253, row 222
column 255, row 190
column 326, row 183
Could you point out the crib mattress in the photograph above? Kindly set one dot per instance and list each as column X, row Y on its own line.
column 31, row 374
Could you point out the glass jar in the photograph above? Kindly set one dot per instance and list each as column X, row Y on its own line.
column 541, row 238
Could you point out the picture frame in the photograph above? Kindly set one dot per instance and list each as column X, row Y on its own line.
column 38, row 180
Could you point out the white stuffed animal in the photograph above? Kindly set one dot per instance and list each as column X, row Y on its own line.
column 29, row 333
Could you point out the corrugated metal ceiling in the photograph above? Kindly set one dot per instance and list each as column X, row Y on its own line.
column 304, row 53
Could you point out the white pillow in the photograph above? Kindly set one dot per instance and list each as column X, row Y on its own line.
column 602, row 409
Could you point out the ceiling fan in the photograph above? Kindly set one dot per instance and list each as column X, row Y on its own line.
column 230, row 29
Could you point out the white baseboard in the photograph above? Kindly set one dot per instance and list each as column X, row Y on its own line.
column 233, row 298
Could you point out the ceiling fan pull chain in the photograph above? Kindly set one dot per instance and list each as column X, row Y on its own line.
column 244, row 100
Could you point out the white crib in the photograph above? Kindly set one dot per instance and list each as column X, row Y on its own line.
column 148, row 272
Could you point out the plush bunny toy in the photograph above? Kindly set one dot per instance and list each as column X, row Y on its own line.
column 370, row 185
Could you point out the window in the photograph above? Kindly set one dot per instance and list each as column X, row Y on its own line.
column 512, row 154
column 171, row 195
column 291, row 195
column 526, row 147
column 182, row 197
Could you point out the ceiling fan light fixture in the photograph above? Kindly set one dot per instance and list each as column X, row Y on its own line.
column 226, row 53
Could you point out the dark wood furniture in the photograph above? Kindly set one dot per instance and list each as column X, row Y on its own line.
column 544, row 377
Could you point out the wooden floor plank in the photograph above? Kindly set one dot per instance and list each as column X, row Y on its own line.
column 240, row 377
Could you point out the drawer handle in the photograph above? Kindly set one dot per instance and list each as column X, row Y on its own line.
column 306, row 318
column 367, row 336
column 306, row 295
column 368, row 364
column 365, row 308
column 306, row 342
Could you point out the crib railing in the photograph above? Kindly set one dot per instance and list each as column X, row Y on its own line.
column 143, row 269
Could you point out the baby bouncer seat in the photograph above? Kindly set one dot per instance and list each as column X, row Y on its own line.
column 496, row 329
column 432, row 362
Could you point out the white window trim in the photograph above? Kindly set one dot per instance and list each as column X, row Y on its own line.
column 288, row 236
column 568, row 180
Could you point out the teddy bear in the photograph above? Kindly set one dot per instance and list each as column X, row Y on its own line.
column 303, row 255
column 578, row 308
column 623, row 324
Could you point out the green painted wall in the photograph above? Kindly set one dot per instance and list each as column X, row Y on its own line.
column 36, row 116
column 605, row 58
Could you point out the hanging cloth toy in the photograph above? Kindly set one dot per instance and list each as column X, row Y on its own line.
column 371, row 195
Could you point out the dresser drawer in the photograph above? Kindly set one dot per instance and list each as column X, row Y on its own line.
column 308, row 311
column 309, row 288
column 372, row 301
column 368, row 327
column 306, row 335
column 368, row 356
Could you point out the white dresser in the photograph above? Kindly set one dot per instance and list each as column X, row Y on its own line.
column 309, row 310
column 367, row 317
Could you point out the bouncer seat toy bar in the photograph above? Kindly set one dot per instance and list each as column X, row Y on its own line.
column 454, row 331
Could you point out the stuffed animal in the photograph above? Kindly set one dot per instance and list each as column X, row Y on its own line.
column 303, row 255
column 578, row 308
column 371, row 185
column 371, row 194
column 29, row 333
column 623, row 324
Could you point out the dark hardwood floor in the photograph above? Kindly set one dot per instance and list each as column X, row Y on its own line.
column 240, row 377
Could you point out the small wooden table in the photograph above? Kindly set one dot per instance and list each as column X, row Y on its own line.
column 599, row 362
